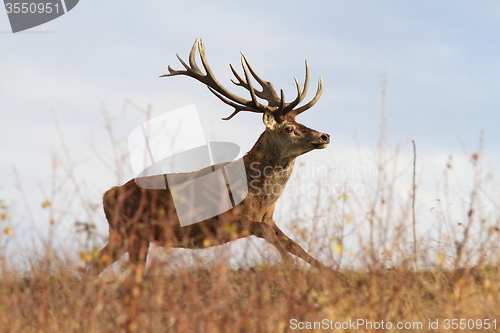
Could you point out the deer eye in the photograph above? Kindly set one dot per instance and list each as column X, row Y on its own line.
column 289, row 129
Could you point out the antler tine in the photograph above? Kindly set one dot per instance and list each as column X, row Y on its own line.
column 173, row 72
column 237, row 108
column 268, row 93
column 306, row 83
column 257, row 107
column 241, row 82
column 193, row 70
column 309, row 105
column 214, row 85
column 206, row 66
column 282, row 101
column 192, row 55
column 300, row 95
column 244, row 83
column 289, row 106
column 249, row 82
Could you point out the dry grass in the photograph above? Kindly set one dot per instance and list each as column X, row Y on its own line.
column 51, row 298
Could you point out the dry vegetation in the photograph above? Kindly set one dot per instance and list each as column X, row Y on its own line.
column 50, row 298
column 380, row 281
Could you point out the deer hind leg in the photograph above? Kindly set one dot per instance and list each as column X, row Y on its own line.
column 108, row 254
column 138, row 248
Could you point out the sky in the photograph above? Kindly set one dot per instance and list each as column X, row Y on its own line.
column 73, row 86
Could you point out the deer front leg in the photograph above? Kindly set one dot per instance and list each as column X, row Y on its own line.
column 292, row 247
column 108, row 255
column 258, row 229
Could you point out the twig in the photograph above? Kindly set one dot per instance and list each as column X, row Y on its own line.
column 415, row 258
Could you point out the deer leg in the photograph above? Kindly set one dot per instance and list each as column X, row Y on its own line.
column 264, row 231
column 138, row 248
column 108, row 254
column 294, row 248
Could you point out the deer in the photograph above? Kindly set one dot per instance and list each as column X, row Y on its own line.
column 139, row 216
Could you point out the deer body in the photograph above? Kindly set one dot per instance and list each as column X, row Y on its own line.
column 139, row 216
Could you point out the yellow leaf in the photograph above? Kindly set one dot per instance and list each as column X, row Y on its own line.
column 85, row 256
column 440, row 257
column 342, row 196
column 337, row 247
column 207, row 242
column 106, row 259
column 7, row 231
column 46, row 204
column 230, row 229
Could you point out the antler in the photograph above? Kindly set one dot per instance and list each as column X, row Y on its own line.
column 275, row 104
column 319, row 91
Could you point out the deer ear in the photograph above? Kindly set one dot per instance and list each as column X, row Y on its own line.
column 269, row 119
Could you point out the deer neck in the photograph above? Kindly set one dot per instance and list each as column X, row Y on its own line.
column 268, row 171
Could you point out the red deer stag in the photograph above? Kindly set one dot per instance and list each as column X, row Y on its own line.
column 138, row 216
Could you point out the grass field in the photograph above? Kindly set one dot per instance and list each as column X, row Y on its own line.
column 51, row 298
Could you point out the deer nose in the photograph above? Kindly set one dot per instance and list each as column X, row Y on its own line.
column 325, row 138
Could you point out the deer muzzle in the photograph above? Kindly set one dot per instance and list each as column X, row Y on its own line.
column 322, row 141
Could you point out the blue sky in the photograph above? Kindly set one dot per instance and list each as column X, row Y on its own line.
column 440, row 59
